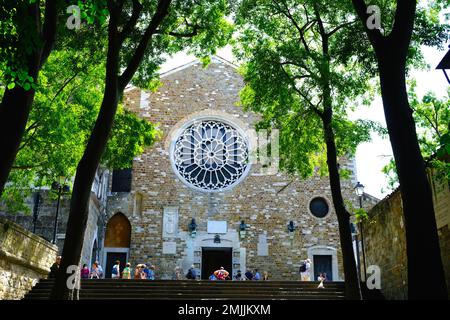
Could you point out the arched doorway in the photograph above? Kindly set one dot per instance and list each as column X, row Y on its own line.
column 117, row 242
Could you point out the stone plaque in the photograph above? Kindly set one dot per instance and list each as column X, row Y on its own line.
column 170, row 222
column 217, row 227
column 169, row 247
column 262, row 247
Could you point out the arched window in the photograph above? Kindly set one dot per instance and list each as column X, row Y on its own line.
column 118, row 232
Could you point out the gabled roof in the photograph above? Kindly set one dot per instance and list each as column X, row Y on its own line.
column 214, row 59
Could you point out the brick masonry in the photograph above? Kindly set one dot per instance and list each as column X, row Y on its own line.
column 265, row 202
column 385, row 239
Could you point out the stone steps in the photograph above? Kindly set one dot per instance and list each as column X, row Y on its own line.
column 108, row 289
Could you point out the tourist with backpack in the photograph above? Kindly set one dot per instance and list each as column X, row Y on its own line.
column 115, row 272
column 305, row 269
column 191, row 274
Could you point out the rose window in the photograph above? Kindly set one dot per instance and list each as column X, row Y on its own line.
column 210, row 155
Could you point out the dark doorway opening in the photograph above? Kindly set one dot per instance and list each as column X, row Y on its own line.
column 323, row 264
column 111, row 258
column 214, row 258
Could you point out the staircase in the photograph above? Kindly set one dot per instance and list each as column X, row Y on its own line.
column 109, row 289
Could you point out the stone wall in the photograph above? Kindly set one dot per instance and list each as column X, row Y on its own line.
column 47, row 212
column 385, row 240
column 24, row 259
column 46, row 216
column 265, row 202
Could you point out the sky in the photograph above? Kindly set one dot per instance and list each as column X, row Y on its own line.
column 372, row 156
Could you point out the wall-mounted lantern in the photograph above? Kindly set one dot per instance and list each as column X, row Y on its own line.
column 291, row 226
column 291, row 229
column 217, row 238
column 193, row 228
column 243, row 229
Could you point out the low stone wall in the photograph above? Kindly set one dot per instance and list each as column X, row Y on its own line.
column 385, row 239
column 24, row 259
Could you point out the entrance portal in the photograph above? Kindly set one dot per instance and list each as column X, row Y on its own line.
column 214, row 258
column 117, row 242
column 111, row 258
column 323, row 264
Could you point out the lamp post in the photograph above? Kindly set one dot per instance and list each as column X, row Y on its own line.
column 358, row 262
column 445, row 65
column 359, row 189
column 37, row 202
column 60, row 188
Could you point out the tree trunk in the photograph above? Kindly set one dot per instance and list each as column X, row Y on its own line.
column 114, row 87
column 352, row 285
column 423, row 250
column 85, row 174
column 14, row 111
column 16, row 103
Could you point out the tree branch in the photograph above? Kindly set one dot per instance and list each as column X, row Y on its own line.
column 301, row 30
column 34, row 125
column 137, row 9
column 375, row 36
column 340, row 27
column 322, row 31
column 403, row 24
column 161, row 12
column 299, row 92
column 49, row 29
column 25, row 167
column 191, row 34
column 433, row 125
column 65, row 84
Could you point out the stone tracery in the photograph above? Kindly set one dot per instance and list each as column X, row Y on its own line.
column 211, row 155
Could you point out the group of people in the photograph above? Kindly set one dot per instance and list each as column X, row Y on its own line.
column 141, row 271
column 96, row 272
column 305, row 273
column 222, row 274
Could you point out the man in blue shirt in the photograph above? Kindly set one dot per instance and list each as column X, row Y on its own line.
column 257, row 276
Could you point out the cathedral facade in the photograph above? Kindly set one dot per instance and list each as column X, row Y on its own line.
column 194, row 198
